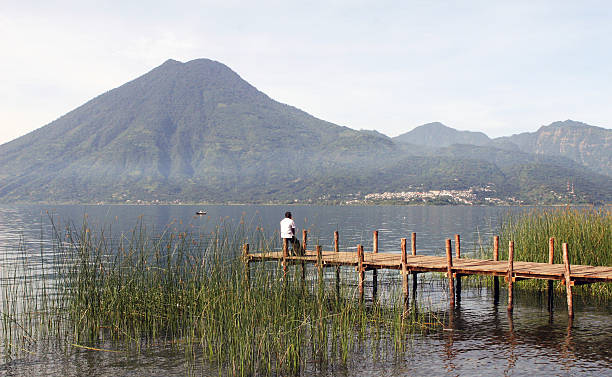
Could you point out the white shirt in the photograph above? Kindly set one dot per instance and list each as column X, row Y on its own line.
column 287, row 226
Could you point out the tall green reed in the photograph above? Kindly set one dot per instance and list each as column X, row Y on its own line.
column 188, row 289
column 587, row 231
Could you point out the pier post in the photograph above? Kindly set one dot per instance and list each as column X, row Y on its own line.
column 414, row 275
column 495, row 279
column 285, row 255
column 304, row 239
column 568, row 281
column 551, row 256
column 337, row 250
column 458, row 255
column 510, row 274
column 247, row 267
column 449, row 273
column 361, row 270
column 404, row 271
column 336, row 242
column 375, row 271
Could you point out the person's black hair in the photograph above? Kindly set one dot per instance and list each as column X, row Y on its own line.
column 288, row 214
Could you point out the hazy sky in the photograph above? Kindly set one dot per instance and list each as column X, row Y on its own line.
column 500, row 67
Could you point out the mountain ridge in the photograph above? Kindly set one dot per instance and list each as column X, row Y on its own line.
column 199, row 132
column 436, row 134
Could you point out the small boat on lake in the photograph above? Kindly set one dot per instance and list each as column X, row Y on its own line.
column 201, row 213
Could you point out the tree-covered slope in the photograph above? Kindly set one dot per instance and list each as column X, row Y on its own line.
column 438, row 135
column 195, row 127
column 196, row 131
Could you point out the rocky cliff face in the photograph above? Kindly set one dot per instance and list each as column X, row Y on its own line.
column 585, row 144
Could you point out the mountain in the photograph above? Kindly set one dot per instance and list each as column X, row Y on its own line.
column 192, row 128
column 198, row 132
column 438, row 135
column 588, row 145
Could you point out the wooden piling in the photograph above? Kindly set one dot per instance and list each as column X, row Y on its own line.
column 495, row 279
column 449, row 273
column 458, row 255
column 510, row 274
column 361, row 270
column 304, row 239
column 375, row 241
column 336, row 242
column 568, row 281
column 375, row 272
column 551, row 257
column 404, row 269
column 414, row 275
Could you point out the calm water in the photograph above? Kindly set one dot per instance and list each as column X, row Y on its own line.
column 483, row 340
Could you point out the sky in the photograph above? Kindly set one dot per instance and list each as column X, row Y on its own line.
column 499, row 67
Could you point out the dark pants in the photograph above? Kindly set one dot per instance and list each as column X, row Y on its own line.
column 295, row 248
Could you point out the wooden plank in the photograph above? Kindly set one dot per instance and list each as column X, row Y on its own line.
column 425, row 263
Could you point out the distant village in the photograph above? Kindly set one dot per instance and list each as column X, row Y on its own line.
column 483, row 195
column 486, row 195
column 471, row 196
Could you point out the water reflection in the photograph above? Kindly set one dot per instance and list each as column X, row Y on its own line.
column 481, row 338
column 526, row 341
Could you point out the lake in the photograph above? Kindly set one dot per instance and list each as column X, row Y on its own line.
column 484, row 340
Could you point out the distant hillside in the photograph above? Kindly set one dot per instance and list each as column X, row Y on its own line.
column 197, row 132
column 195, row 128
column 588, row 145
column 438, row 135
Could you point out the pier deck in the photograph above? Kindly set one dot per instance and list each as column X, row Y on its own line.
column 463, row 266
column 454, row 267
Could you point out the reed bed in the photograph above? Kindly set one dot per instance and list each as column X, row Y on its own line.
column 189, row 289
column 587, row 231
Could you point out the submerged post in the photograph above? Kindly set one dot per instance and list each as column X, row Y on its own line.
column 551, row 257
column 458, row 255
column 495, row 279
column 404, row 270
column 360, row 269
column 414, row 275
column 568, row 281
column 375, row 272
column 449, row 273
column 510, row 273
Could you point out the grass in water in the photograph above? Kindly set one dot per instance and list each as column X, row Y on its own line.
column 189, row 289
column 588, row 233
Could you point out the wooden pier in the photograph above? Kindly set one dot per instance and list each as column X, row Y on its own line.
column 454, row 267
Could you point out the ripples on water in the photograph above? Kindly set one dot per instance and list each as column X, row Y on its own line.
column 484, row 339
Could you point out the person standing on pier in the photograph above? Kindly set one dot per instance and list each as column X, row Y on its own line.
column 287, row 231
